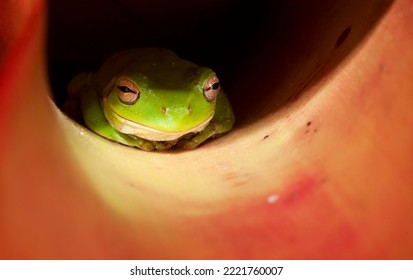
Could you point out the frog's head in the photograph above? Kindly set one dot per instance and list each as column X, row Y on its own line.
column 161, row 99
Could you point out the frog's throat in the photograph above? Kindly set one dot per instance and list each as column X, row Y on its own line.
column 145, row 132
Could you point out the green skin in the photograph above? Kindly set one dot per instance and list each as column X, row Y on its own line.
column 172, row 108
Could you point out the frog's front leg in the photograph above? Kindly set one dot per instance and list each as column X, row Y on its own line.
column 222, row 122
column 77, row 86
column 80, row 83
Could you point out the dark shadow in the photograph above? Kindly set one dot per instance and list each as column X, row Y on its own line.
column 265, row 52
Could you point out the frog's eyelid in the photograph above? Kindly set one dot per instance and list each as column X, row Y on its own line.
column 125, row 85
column 128, row 95
column 125, row 89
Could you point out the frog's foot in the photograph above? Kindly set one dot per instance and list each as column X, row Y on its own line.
column 151, row 145
column 146, row 145
column 162, row 146
column 130, row 140
column 212, row 130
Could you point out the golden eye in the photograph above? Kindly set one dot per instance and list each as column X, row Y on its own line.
column 127, row 91
column 212, row 88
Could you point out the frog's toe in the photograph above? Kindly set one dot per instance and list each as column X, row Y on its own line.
column 147, row 146
column 162, row 146
column 189, row 145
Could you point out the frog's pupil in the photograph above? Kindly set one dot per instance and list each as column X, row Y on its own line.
column 215, row 86
column 125, row 89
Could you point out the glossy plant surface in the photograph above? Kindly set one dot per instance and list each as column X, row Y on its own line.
column 318, row 164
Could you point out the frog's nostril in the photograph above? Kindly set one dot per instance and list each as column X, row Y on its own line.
column 163, row 110
column 189, row 108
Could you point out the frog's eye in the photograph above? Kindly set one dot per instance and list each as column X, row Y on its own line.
column 127, row 91
column 212, row 88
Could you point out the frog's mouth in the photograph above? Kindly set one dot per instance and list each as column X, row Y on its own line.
column 129, row 127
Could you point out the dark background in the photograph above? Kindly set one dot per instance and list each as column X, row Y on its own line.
column 258, row 48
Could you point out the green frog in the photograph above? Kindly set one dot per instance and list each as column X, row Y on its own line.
column 151, row 99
